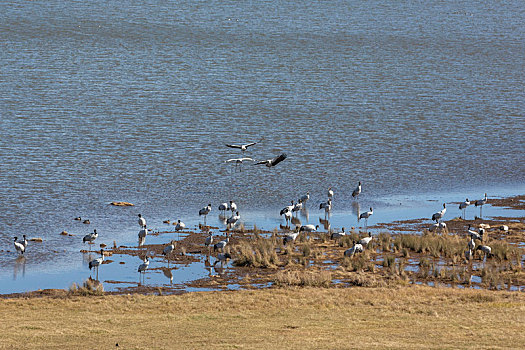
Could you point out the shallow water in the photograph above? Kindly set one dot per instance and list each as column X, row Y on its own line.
column 59, row 269
column 107, row 100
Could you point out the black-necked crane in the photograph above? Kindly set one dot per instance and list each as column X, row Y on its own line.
column 356, row 248
column 481, row 231
column 304, row 198
column 504, row 228
column 330, row 193
column 222, row 258
column 290, row 237
column 238, row 162
column 297, row 207
column 365, row 216
column 24, row 241
column 95, row 263
column 287, row 208
column 20, row 248
column 308, row 228
column 439, row 215
column 485, row 249
column 438, row 226
column 143, row 267
column 287, row 215
column 337, row 235
column 365, row 240
column 272, row 162
column 205, row 211
column 242, row 147
column 357, row 191
column 480, row 203
column 232, row 220
column 468, row 254
column 223, row 207
column 327, row 206
column 168, row 249
column 463, row 206
column 142, row 221
column 222, row 244
column 143, row 232
column 209, row 241
column 233, row 207
column 434, row 227
column 179, row 227
column 471, row 244
column 90, row 237
column 474, row 235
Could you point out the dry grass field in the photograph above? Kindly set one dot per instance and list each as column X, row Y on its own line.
column 289, row 318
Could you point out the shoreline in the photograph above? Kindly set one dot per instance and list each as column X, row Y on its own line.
column 389, row 263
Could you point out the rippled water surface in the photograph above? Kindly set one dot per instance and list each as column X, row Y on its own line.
column 118, row 100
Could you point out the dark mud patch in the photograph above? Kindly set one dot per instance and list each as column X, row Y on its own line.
column 516, row 202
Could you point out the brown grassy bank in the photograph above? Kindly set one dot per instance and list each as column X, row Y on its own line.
column 306, row 318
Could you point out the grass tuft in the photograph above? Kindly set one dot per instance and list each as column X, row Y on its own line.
column 260, row 253
column 303, row 278
column 89, row 287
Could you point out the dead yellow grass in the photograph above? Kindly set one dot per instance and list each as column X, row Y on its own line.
column 303, row 318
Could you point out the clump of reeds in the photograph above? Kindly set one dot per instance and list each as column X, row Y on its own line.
column 363, row 280
column 436, row 245
column 241, row 228
column 306, row 250
column 274, row 238
column 491, row 277
column 303, row 238
column 453, row 274
column 389, row 261
column 348, row 240
column 261, row 253
column 89, row 287
column 303, row 278
column 400, row 268
column 384, row 241
column 302, row 260
column 424, row 268
column 324, row 237
column 359, row 262
column 502, row 250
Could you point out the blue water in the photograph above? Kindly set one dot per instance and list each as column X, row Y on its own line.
column 105, row 100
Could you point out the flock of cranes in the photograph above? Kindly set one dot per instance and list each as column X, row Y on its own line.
column 288, row 212
column 243, row 147
column 475, row 235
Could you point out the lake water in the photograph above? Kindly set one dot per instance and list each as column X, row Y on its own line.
column 115, row 100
